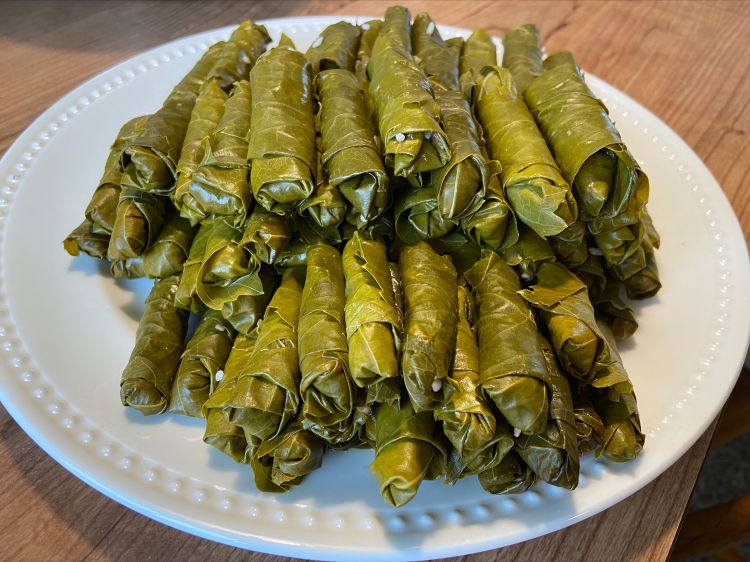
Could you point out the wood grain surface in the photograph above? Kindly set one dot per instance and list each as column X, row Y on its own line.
column 688, row 62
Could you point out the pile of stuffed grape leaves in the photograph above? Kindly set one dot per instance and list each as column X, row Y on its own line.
column 394, row 241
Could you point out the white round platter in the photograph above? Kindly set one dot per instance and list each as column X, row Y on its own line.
column 67, row 328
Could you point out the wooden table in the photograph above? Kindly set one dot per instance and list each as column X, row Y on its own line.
column 687, row 62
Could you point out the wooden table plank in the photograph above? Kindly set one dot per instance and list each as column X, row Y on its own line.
column 687, row 62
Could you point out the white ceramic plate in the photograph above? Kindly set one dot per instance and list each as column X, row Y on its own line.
column 66, row 330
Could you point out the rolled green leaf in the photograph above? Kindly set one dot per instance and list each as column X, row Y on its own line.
column 350, row 155
column 408, row 449
column 522, row 54
column 528, row 252
column 553, row 454
column 238, row 55
column 536, row 191
column 510, row 476
column 591, row 273
column 335, row 47
column 589, row 426
column 568, row 314
column 283, row 461
column 613, row 312
column 84, row 239
column 432, row 54
column 512, row 367
column 639, row 272
column 140, row 215
column 245, row 311
column 430, row 307
column 220, row 432
column 149, row 161
column 186, row 296
column 327, row 389
column 326, row 207
column 462, row 182
column 218, row 186
column 478, row 51
column 207, row 111
column 128, row 268
column 408, row 115
column 146, row 381
column 608, row 183
column 621, row 439
column 570, row 245
column 265, row 397
column 169, row 251
column 102, row 209
column 201, row 365
column 281, row 145
column 373, row 323
column 492, row 225
column 369, row 32
column 417, row 215
column 479, row 440
column 266, row 235
column 228, row 271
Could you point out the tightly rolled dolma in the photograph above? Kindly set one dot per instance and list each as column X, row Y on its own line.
column 328, row 393
column 478, row 51
column 589, row 426
column 480, row 441
column 513, row 370
column 370, row 31
column 245, row 311
column 350, row 155
column 609, row 185
column 283, row 461
column 169, row 251
column 639, row 273
column 462, row 182
column 373, row 323
column 528, row 252
column 128, row 268
column 220, row 432
column 621, row 438
column 186, row 296
column 430, row 310
column 218, row 186
column 510, row 476
column 140, row 215
column 227, row 271
column 568, row 314
column 207, row 111
column 84, row 239
column 266, row 235
column 408, row 450
column 553, row 454
column 281, row 145
column 326, row 207
column 432, row 54
column 536, row 191
column 149, row 161
column 493, row 225
column 569, row 245
column 266, row 396
column 335, row 47
column 522, row 54
column 416, row 214
column 612, row 311
column 238, row 55
column 146, row 381
column 102, row 209
column 204, row 357
column 407, row 114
